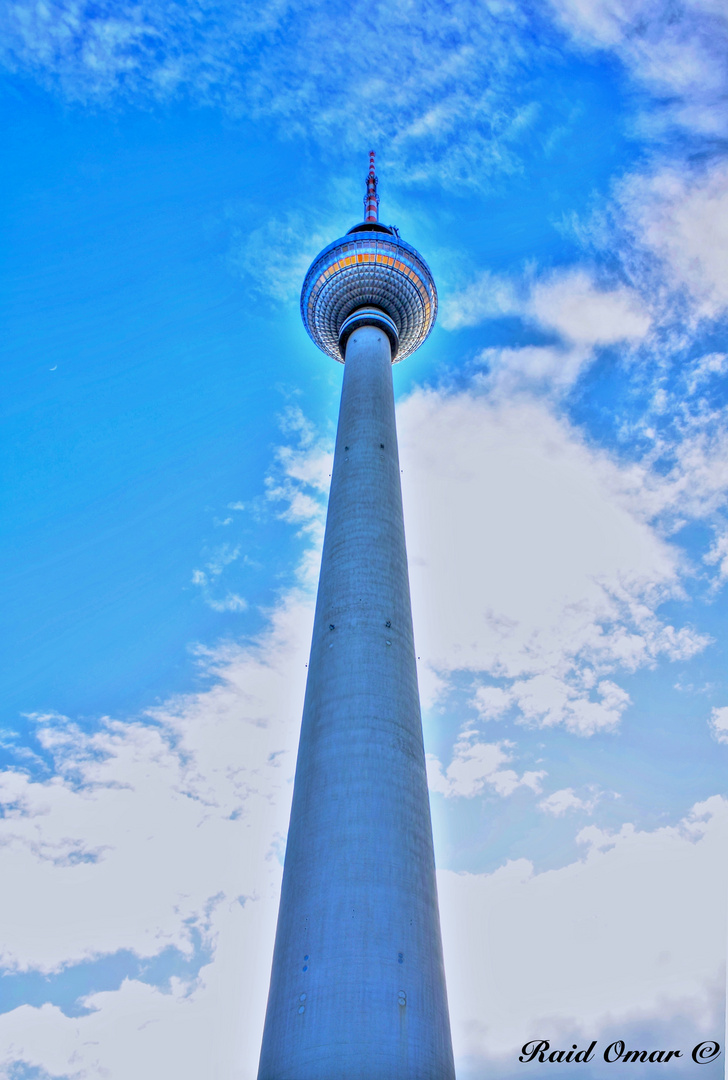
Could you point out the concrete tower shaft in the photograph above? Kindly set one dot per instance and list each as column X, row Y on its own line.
column 358, row 988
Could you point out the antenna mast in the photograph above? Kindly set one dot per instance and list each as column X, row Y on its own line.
column 371, row 199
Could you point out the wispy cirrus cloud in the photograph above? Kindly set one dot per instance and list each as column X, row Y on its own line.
column 317, row 72
column 451, row 103
column 719, row 723
column 207, row 579
column 277, row 254
column 675, row 51
column 679, row 216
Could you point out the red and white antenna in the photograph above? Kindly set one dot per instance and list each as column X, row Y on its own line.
column 371, row 199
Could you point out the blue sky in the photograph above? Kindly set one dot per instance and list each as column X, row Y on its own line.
column 170, row 171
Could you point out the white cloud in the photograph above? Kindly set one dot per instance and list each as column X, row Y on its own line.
column 676, row 51
column 532, row 558
column 585, row 315
column 719, row 723
column 212, row 1028
column 635, row 929
column 559, row 802
column 475, row 764
column 583, row 704
column 682, row 218
column 552, row 369
column 492, row 701
column 487, row 297
column 569, row 304
column 548, row 699
column 172, row 804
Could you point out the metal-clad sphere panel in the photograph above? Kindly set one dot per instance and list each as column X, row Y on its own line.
column 369, row 270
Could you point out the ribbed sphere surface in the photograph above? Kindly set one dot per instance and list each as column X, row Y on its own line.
column 370, row 266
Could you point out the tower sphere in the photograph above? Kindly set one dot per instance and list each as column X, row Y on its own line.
column 369, row 277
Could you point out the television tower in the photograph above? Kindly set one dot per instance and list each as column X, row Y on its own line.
column 357, row 988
